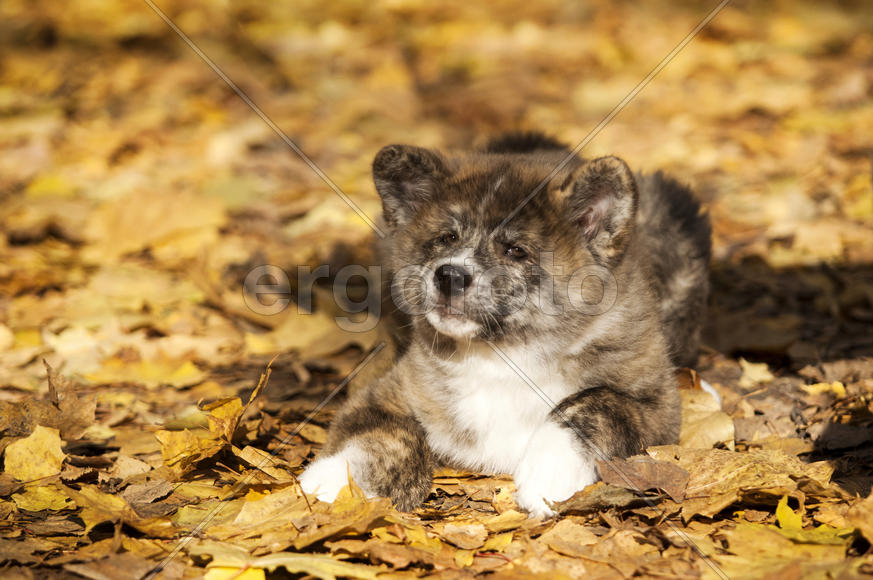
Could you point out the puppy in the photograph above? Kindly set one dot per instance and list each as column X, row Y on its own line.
column 550, row 298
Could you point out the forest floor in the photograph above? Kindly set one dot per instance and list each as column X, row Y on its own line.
column 138, row 191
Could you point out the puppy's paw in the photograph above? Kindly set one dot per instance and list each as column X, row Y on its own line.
column 552, row 469
column 326, row 476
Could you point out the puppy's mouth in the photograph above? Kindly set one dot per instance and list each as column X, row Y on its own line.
column 452, row 322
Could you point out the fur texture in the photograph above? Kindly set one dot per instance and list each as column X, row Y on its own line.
column 541, row 339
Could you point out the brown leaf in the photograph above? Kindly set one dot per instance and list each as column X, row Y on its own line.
column 643, row 473
column 398, row 556
column 8, row 485
column 718, row 478
column 860, row 515
column 465, row 536
column 123, row 565
column 147, row 492
column 63, row 410
column 600, row 496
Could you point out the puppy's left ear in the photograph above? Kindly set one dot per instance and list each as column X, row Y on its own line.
column 603, row 204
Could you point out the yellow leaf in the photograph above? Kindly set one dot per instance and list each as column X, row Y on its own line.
column 43, row 497
column 260, row 343
column 232, row 573
column 417, row 537
column 836, row 388
column 153, row 219
column 27, row 337
column 859, row 198
column 224, row 417
column 253, row 495
column 259, row 510
column 151, row 372
column 312, row 432
column 823, row 535
column 788, row 520
column 50, row 185
column 318, row 565
column 264, row 461
column 180, row 450
column 350, row 498
column 754, row 374
column 36, row 456
column 508, row 520
column 185, row 375
column 323, row 566
column 385, row 534
column 569, row 538
column 464, row 558
column 314, row 335
column 497, row 543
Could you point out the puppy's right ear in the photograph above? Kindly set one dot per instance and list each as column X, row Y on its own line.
column 405, row 177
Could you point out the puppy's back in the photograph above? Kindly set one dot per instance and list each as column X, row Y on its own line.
column 675, row 233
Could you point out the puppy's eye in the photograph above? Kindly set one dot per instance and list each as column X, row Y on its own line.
column 448, row 238
column 516, row 252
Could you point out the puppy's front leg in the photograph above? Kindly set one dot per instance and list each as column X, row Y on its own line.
column 594, row 424
column 377, row 440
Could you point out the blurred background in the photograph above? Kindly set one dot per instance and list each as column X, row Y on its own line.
column 137, row 189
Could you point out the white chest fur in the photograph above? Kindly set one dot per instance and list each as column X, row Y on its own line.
column 491, row 411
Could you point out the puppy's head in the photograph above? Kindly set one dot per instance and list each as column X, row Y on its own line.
column 488, row 245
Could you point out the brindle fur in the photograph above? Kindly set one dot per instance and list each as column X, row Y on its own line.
column 647, row 230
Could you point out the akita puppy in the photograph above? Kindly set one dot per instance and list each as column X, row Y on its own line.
column 550, row 298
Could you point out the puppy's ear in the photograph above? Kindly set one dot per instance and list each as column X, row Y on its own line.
column 405, row 177
column 603, row 205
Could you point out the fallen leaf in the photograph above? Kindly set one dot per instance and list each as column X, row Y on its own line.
column 508, row 520
column 788, row 520
column 181, row 450
column 36, row 456
column 754, row 374
column 62, row 409
column 465, row 536
column 860, row 515
column 44, row 497
column 719, row 478
column 704, row 424
column 643, row 473
column 599, row 496
column 318, row 565
column 569, row 538
column 125, row 565
column 835, row 388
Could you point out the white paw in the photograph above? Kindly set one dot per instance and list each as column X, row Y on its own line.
column 326, row 476
column 552, row 469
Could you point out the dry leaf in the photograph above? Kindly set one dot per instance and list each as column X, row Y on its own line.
column 704, row 424
column 860, row 515
column 569, row 538
column 465, row 536
column 754, row 374
column 181, row 450
column 36, row 456
column 643, row 473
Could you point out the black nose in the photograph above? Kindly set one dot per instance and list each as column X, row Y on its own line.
column 452, row 280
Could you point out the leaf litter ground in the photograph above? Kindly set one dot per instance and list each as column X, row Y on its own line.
column 137, row 192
